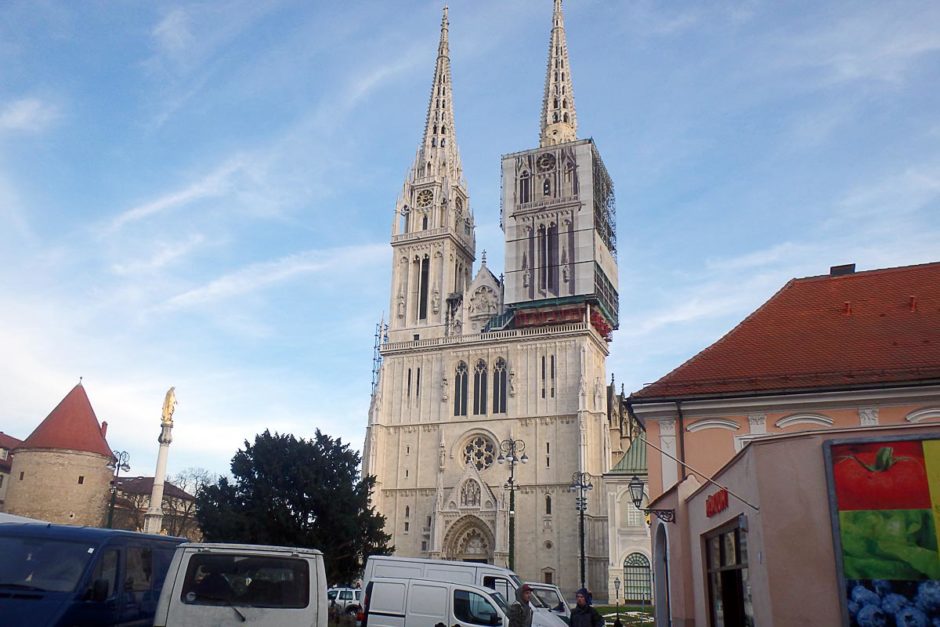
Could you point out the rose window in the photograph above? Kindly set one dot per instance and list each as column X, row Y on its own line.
column 479, row 451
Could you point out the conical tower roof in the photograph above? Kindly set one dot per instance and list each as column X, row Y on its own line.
column 559, row 118
column 71, row 426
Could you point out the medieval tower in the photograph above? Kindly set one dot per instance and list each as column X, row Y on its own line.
column 61, row 472
column 478, row 370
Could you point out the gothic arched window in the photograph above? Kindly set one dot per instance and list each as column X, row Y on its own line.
column 424, row 223
column 407, row 511
column 423, row 287
column 637, row 578
column 547, row 187
column 548, row 505
column 460, row 390
column 524, row 187
column 479, row 388
column 543, row 256
column 499, row 387
column 405, row 219
column 552, row 266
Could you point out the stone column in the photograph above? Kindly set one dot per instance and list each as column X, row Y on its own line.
column 153, row 519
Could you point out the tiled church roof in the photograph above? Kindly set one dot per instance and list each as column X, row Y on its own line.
column 833, row 331
column 144, row 485
column 633, row 461
column 72, row 426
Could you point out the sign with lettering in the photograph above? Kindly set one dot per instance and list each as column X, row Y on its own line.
column 716, row 503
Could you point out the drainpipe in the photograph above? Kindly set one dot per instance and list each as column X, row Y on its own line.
column 681, row 438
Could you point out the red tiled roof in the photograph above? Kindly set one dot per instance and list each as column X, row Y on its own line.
column 144, row 485
column 855, row 330
column 72, row 426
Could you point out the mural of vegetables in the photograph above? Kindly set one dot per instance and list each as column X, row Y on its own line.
column 887, row 508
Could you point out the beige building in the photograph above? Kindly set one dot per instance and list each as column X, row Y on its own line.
column 133, row 501
column 61, row 472
column 478, row 371
column 7, row 444
column 852, row 355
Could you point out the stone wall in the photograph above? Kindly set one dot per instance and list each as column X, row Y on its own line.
column 67, row 487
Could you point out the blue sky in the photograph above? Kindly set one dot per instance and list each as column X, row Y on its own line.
column 200, row 194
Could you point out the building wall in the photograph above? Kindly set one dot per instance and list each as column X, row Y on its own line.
column 44, row 484
column 415, row 447
column 714, row 430
column 791, row 562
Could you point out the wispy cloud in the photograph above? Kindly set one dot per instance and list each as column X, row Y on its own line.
column 28, row 114
column 261, row 275
column 166, row 253
column 216, row 183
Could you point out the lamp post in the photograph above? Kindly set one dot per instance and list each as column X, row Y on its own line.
column 512, row 452
column 118, row 463
column 636, row 495
column 581, row 483
column 617, row 594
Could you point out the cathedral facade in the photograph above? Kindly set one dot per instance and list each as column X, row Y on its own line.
column 491, row 397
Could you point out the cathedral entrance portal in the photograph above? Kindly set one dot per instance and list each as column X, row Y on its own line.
column 469, row 539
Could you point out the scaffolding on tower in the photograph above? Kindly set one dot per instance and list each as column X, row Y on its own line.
column 381, row 337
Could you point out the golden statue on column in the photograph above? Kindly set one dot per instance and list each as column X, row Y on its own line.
column 153, row 519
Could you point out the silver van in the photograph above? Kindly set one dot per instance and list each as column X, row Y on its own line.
column 230, row 584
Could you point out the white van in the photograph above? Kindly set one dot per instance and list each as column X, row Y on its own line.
column 231, row 584
column 551, row 597
column 391, row 602
column 502, row 580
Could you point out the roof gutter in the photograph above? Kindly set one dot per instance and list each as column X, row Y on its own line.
column 632, row 400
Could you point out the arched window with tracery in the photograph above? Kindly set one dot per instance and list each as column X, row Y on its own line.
column 524, row 187
column 637, row 578
column 479, row 388
column 499, row 386
column 460, row 390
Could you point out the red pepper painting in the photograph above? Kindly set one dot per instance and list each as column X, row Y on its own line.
column 880, row 475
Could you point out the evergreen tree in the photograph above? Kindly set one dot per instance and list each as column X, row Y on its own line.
column 294, row 492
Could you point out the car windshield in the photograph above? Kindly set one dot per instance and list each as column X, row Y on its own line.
column 43, row 564
column 536, row 599
column 500, row 601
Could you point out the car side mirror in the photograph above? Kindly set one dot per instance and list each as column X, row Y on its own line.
column 496, row 619
column 99, row 590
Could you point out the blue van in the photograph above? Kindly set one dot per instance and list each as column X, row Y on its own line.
column 52, row 575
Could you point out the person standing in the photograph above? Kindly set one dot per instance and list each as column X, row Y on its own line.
column 520, row 612
column 584, row 614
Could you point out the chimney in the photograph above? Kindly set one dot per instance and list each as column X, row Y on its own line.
column 104, row 429
column 842, row 270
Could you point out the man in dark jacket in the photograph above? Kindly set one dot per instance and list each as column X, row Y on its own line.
column 520, row 612
column 584, row 614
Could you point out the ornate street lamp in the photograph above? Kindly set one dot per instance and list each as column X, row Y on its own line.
column 636, row 495
column 617, row 594
column 512, row 452
column 117, row 464
column 581, row 483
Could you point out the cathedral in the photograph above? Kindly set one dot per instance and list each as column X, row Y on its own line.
column 490, row 400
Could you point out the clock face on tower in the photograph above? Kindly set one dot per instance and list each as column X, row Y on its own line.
column 425, row 196
column 546, row 162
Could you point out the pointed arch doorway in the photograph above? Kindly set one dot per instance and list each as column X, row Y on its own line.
column 469, row 539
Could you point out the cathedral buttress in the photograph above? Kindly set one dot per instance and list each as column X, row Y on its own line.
column 433, row 239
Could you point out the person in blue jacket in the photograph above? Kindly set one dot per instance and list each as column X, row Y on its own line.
column 584, row 614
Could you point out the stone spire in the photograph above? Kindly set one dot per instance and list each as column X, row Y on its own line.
column 559, row 119
column 440, row 139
